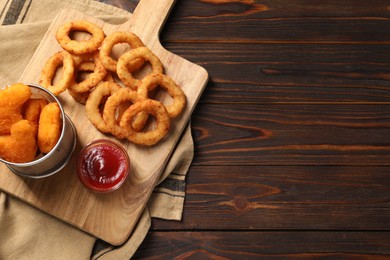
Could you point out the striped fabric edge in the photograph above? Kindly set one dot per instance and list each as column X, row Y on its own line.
column 13, row 11
column 173, row 183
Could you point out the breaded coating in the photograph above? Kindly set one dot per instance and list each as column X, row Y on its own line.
column 50, row 127
column 32, row 110
column 20, row 146
column 12, row 99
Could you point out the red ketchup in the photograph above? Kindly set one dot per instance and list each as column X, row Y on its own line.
column 103, row 165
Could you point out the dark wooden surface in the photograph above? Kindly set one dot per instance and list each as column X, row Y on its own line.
column 292, row 135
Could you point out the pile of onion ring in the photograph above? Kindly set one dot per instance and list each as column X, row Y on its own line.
column 131, row 109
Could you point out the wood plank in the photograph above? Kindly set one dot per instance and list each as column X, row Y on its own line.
column 277, row 21
column 287, row 30
column 278, row 8
column 260, row 244
column 282, row 134
column 284, row 197
column 269, row 8
column 275, row 73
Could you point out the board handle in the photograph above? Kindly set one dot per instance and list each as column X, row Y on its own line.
column 148, row 18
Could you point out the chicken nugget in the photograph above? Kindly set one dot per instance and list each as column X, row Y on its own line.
column 12, row 99
column 32, row 110
column 49, row 127
column 20, row 146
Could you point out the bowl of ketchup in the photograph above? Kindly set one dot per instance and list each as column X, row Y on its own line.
column 103, row 165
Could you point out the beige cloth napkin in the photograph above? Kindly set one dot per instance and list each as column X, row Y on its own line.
column 28, row 233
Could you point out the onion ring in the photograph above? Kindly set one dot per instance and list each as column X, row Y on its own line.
column 50, row 68
column 149, row 138
column 80, row 47
column 81, row 97
column 119, row 37
column 151, row 81
column 95, row 99
column 124, row 61
column 87, row 67
column 98, row 74
column 90, row 67
column 111, row 106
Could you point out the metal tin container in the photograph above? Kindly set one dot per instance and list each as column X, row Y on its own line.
column 58, row 157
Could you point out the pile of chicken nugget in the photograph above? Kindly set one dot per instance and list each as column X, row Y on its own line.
column 28, row 126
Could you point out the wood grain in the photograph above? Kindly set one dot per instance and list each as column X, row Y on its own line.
column 112, row 216
column 292, row 134
column 265, row 245
column 270, row 22
column 284, row 198
column 299, row 73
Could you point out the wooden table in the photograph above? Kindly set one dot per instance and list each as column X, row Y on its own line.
column 292, row 135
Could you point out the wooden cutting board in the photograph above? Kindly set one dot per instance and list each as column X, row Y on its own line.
column 112, row 216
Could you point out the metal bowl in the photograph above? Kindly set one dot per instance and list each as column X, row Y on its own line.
column 58, row 157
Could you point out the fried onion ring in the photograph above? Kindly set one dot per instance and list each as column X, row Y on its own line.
column 50, row 68
column 151, row 81
column 154, row 108
column 119, row 37
column 81, row 97
column 94, row 101
column 110, row 109
column 97, row 75
column 84, row 46
column 86, row 67
column 124, row 61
